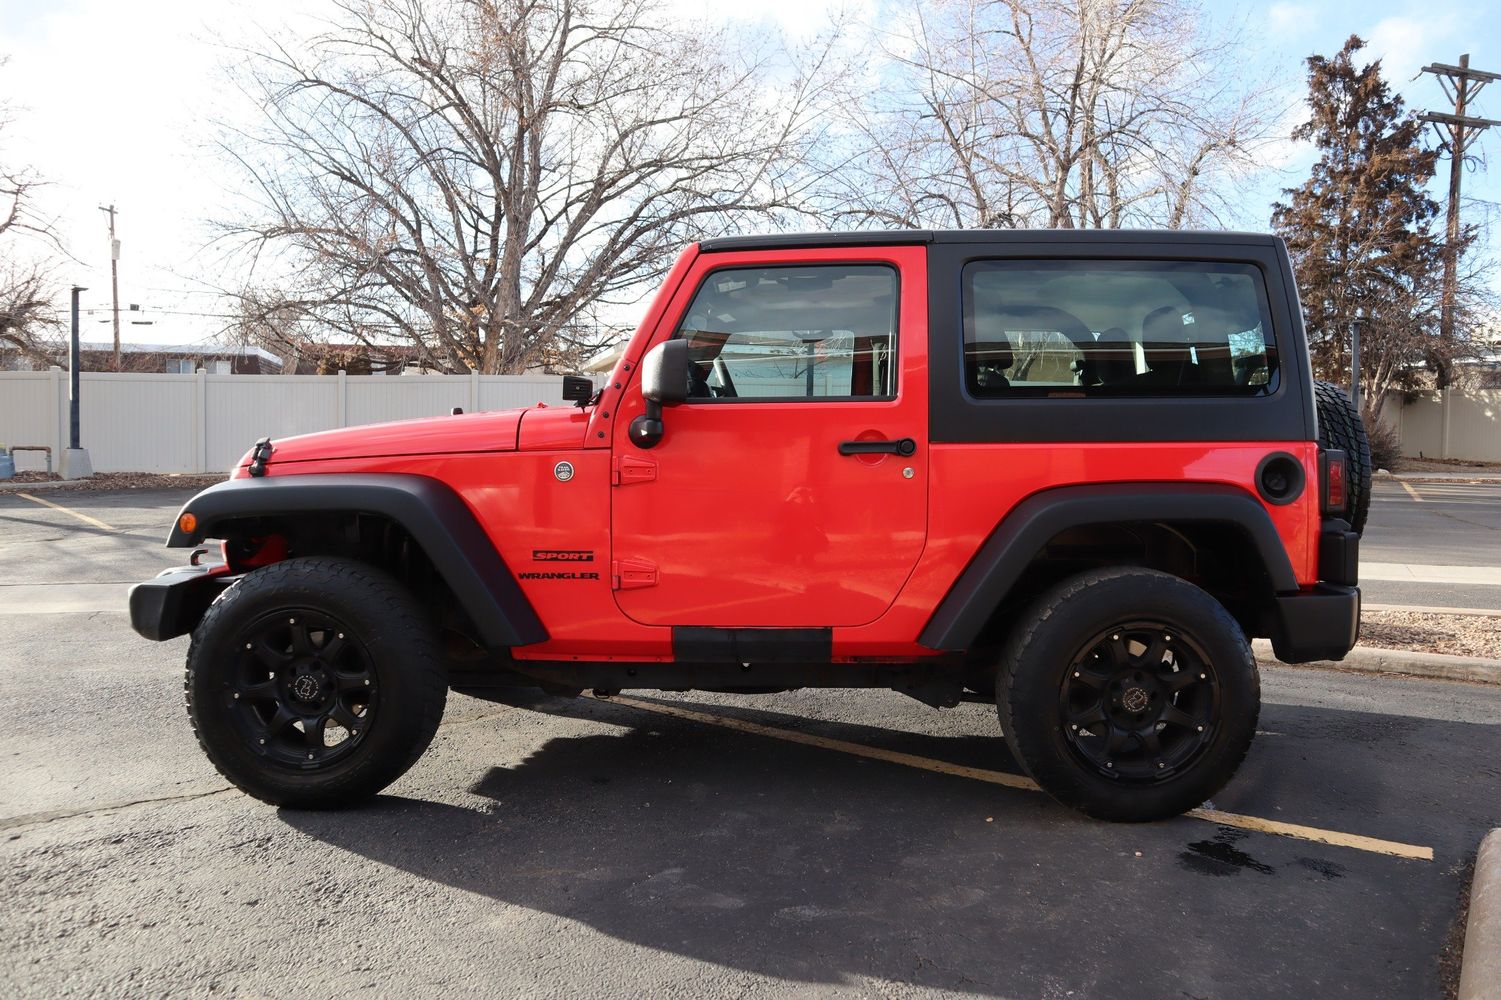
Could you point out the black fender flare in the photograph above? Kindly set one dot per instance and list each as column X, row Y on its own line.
column 437, row 518
column 957, row 621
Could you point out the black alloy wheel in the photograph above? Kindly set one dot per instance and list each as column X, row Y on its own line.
column 1140, row 700
column 303, row 690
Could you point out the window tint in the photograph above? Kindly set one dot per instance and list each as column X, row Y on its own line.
column 1116, row 328
column 806, row 332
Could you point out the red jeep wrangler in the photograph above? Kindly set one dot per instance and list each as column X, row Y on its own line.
column 1070, row 471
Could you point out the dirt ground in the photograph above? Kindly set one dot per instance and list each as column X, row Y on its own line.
column 1456, row 635
column 110, row 481
column 1411, row 465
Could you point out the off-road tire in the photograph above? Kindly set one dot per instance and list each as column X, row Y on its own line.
column 396, row 646
column 1340, row 427
column 1055, row 634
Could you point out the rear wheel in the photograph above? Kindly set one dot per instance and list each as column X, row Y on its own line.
column 315, row 682
column 1341, row 428
column 1128, row 694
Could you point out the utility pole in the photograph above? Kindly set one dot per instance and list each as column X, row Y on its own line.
column 114, row 278
column 1461, row 84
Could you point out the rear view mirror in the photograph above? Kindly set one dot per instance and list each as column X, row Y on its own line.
column 664, row 381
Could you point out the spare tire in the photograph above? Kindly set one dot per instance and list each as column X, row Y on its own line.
column 1340, row 427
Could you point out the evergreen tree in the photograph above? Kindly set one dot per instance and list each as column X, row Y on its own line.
column 1360, row 229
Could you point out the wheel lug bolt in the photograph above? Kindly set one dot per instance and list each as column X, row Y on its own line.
column 248, row 646
column 263, row 741
column 237, row 696
column 291, row 621
column 1074, row 727
column 1110, row 763
column 1160, row 765
column 1076, row 673
column 1203, row 677
column 1200, row 728
column 367, row 682
column 354, row 732
column 341, row 635
column 1115, row 638
column 309, row 756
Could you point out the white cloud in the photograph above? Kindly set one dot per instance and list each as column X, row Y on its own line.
column 1291, row 19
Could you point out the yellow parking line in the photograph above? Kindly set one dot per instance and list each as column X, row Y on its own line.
column 1254, row 823
column 1410, row 491
column 66, row 510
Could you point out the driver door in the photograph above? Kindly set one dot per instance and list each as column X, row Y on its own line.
column 782, row 493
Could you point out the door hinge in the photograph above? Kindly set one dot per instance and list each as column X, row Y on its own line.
column 632, row 574
column 629, row 469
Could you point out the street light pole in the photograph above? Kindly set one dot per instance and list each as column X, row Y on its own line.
column 114, row 279
column 75, row 463
column 75, row 362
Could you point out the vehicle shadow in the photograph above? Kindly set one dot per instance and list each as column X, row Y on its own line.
column 818, row 867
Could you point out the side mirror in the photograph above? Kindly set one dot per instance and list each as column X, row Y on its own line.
column 664, row 381
column 664, row 373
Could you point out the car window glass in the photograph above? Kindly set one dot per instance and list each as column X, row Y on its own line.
column 1116, row 328
column 795, row 332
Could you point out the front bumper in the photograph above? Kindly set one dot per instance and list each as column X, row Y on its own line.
column 1321, row 624
column 172, row 604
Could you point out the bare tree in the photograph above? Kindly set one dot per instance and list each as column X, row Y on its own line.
column 28, row 323
column 1057, row 113
column 474, row 176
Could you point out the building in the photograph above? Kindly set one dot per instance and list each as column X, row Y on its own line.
column 184, row 359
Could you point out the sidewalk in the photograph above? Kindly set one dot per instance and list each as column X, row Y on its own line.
column 1421, row 573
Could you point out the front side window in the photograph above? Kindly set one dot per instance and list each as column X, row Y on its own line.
column 796, row 332
column 1116, row 328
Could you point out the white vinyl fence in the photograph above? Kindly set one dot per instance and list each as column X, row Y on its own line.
column 1453, row 423
column 204, row 423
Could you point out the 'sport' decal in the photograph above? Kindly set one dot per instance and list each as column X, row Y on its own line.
column 562, row 555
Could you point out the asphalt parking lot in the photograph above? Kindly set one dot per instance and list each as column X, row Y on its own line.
column 805, row 844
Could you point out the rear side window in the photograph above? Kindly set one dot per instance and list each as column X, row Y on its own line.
column 1073, row 328
column 793, row 333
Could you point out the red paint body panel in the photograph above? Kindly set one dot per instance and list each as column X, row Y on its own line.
column 468, row 432
column 549, row 428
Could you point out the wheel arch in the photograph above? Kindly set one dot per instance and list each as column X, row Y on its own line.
column 436, row 519
column 1185, row 516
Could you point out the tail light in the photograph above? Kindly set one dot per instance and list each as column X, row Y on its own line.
column 1336, row 482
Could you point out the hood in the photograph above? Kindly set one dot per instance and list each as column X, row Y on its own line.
column 464, row 432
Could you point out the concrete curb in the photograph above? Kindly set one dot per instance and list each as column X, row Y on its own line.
column 1480, row 968
column 1367, row 659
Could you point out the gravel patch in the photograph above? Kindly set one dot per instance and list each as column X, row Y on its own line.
column 1455, row 635
column 103, row 481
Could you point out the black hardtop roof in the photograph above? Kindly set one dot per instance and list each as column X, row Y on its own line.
column 909, row 237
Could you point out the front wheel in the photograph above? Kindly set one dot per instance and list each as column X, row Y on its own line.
column 1129, row 694
column 315, row 682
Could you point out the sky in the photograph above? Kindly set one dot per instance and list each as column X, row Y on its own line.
column 120, row 103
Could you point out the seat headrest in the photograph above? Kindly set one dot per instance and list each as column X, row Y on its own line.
column 1164, row 326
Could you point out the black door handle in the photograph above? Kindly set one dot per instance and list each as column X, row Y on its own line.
column 901, row 446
